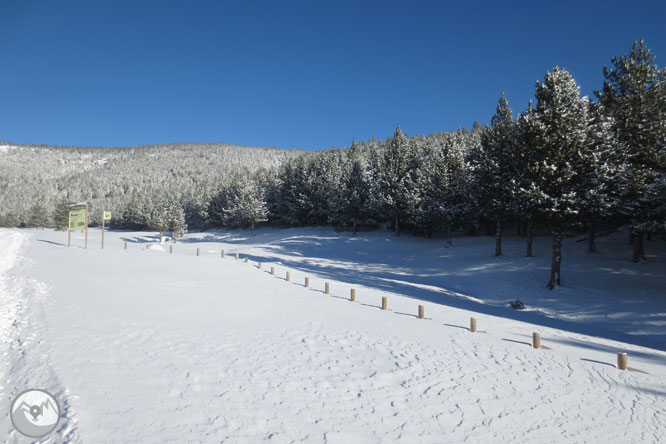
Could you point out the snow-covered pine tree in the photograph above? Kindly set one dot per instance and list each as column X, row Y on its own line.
column 525, row 191
column 497, row 167
column 633, row 95
column 158, row 218
column 394, row 175
column 442, row 181
column 245, row 206
column 351, row 203
column 602, row 170
column 176, row 219
column 564, row 122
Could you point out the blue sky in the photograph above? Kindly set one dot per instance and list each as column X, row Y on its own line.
column 305, row 74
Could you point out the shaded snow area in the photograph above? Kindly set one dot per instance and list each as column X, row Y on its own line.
column 144, row 346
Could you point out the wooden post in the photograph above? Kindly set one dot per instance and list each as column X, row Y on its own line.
column 622, row 361
column 536, row 340
column 327, row 288
column 246, row 260
column 384, row 302
column 170, row 249
column 198, row 251
column 273, row 271
column 125, row 245
column 307, row 282
column 86, row 246
column 222, row 254
column 102, row 229
column 288, row 277
column 472, row 324
column 259, row 265
column 352, row 297
column 69, row 239
column 147, row 246
column 236, row 256
column 421, row 312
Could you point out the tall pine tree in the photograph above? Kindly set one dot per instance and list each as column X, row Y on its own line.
column 633, row 95
column 562, row 117
column 497, row 167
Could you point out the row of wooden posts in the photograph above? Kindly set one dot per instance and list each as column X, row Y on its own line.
column 536, row 337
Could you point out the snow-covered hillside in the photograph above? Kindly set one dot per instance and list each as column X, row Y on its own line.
column 141, row 345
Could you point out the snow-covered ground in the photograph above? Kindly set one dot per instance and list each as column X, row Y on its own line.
column 140, row 345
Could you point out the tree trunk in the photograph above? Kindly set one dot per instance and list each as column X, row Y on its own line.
column 397, row 226
column 591, row 244
column 354, row 233
column 253, row 232
column 530, row 228
column 489, row 229
column 160, row 237
column 448, row 236
column 557, row 260
column 498, row 238
column 639, row 252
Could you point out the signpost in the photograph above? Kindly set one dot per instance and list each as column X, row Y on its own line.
column 78, row 221
column 106, row 215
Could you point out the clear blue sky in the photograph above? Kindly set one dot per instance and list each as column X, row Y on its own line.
column 307, row 74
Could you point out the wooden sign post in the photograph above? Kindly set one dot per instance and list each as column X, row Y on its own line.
column 103, row 213
column 106, row 215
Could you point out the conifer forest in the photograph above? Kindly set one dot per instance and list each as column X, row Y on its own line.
column 564, row 165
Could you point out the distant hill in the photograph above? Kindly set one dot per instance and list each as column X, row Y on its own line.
column 107, row 177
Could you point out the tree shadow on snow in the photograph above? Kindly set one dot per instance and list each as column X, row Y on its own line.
column 409, row 269
column 51, row 242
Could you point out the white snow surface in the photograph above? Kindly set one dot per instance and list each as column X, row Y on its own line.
column 144, row 346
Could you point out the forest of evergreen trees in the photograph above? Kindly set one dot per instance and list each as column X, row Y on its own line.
column 566, row 164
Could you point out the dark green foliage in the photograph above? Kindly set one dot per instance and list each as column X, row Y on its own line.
column 37, row 217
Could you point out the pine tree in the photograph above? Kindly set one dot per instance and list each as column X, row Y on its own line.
column 633, row 95
column 602, row 171
column 9, row 220
column 351, row 203
column 562, row 116
column 176, row 220
column 394, row 176
column 497, row 167
column 61, row 214
column 37, row 217
column 242, row 204
column 526, row 193
column 158, row 218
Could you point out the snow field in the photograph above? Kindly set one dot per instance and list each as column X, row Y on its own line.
column 154, row 347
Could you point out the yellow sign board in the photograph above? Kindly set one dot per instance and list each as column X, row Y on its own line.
column 77, row 219
column 107, row 215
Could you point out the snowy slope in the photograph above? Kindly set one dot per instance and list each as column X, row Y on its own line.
column 145, row 346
